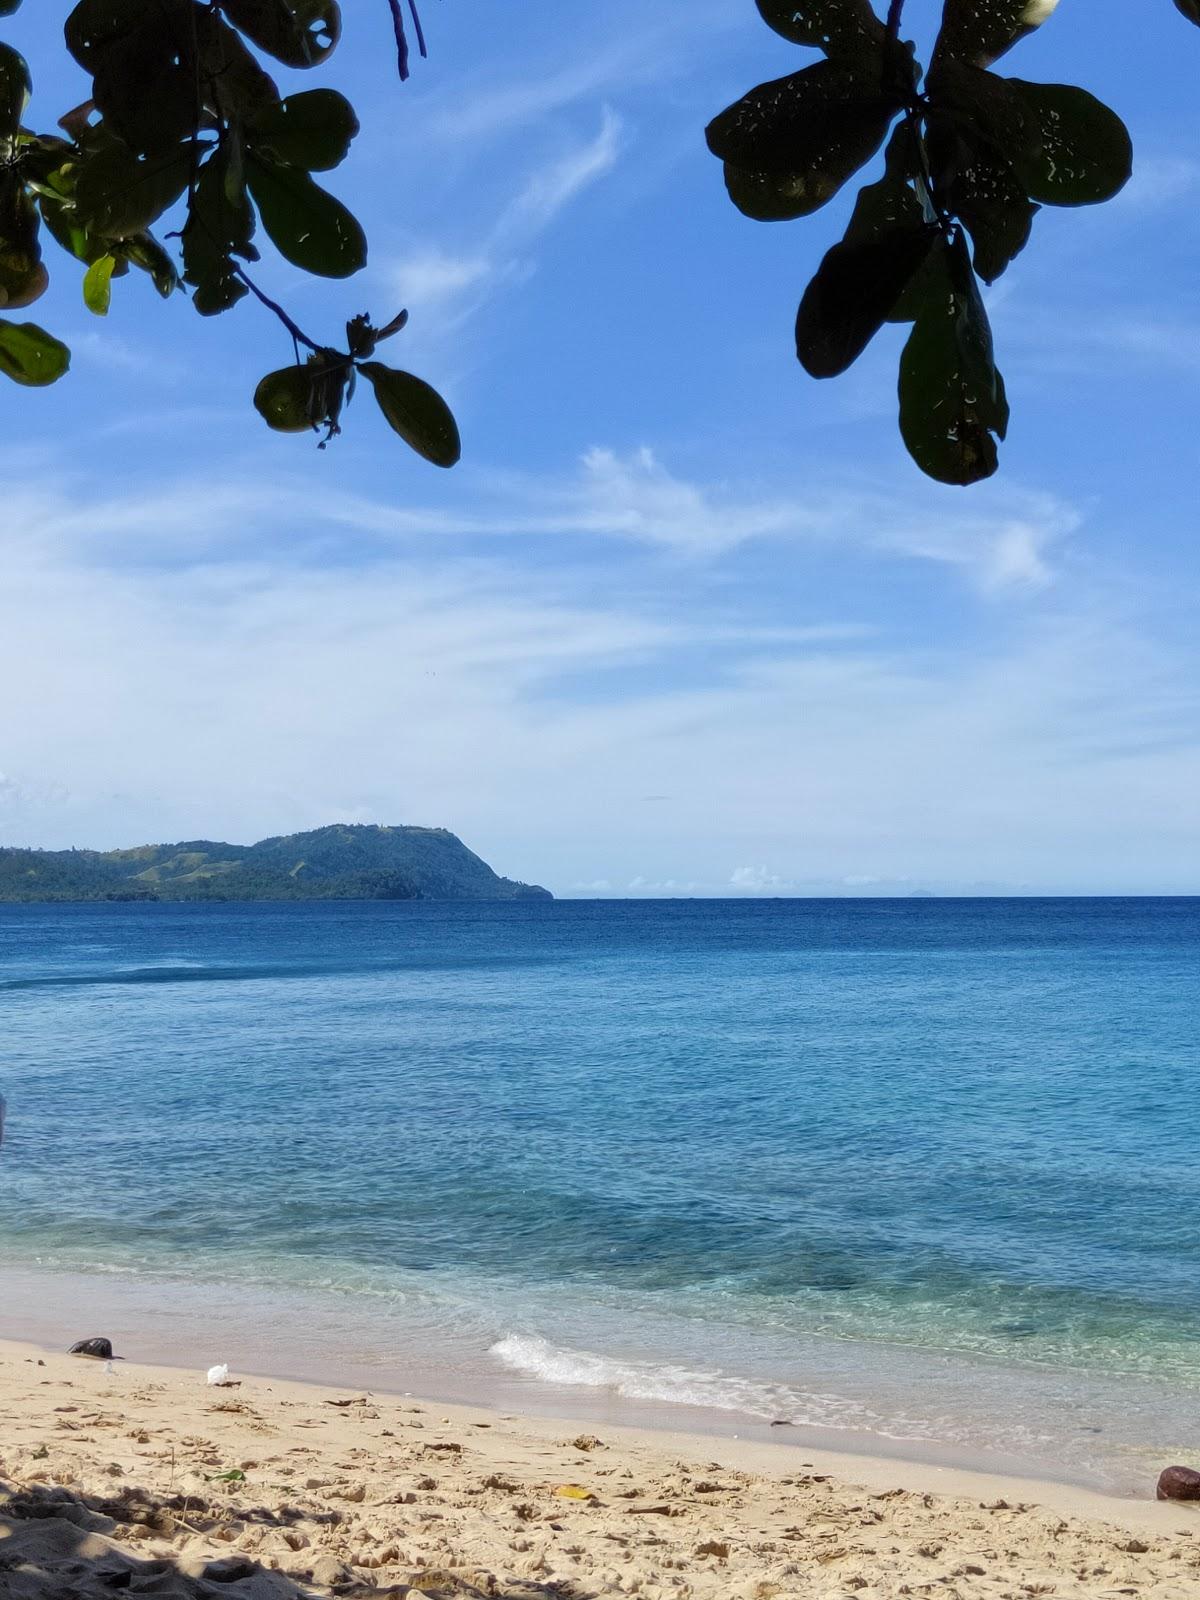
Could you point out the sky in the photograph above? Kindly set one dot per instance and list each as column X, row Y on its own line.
column 684, row 621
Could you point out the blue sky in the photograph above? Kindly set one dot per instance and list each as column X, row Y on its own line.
column 684, row 621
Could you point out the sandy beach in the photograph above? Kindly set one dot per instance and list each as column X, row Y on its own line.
column 148, row 1480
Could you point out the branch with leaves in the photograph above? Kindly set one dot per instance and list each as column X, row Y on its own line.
column 969, row 159
column 183, row 111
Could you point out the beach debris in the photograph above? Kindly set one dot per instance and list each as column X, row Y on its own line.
column 97, row 1349
column 1179, row 1483
column 714, row 1547
column 573, row 1491
column 219, row 1377
column 587, row 1441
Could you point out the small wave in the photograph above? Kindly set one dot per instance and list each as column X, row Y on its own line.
column 710, row 1388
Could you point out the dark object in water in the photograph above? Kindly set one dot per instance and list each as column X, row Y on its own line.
column 1179, row 1483
column 101, row 1349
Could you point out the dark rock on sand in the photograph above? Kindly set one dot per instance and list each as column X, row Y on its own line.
column 100, row 1348
column 1179, row 1483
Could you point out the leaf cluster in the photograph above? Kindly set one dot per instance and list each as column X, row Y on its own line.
column 184, row 110
column 970, row 156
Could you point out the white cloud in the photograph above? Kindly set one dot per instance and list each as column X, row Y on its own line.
column 241, row 691
column 757, row 880
column 446, row 287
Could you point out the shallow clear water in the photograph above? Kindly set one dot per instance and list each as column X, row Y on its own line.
column 873, row 1165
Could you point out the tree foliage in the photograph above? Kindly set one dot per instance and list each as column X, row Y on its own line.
column 970, row 158
column 184, row 112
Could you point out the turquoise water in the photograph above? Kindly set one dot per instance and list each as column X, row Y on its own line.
column 858, row 1164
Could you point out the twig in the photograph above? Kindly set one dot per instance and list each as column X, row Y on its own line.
column 402, row 37
column 420, row 32
column 299, row 337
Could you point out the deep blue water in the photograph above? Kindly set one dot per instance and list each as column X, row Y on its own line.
column 643, row 1132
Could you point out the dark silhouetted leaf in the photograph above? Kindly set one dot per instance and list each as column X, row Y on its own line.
column 31, row 356
column 97, row 285
column 952, row 402
column 854, row 290
column 23, row 278
column 220, row 226
column 1190, row 9
column 1080, row 153
column 300, row 33
column 999, row 215
column 979, row 185
column 144, row 78
column 845, row 28
column 306, row 224
column 790, row 145
column 311, row 130
column 7, row 7
column 825, row 116
column 118, row 194
column 981, row 31
column 14, row 91
column 416, row 412
column 160, row 72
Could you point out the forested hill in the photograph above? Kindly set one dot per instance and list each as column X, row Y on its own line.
column 336, row 863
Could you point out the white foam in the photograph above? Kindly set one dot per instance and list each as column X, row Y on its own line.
column 710, row 1388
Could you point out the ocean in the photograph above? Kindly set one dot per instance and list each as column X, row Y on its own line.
column 908, row 1175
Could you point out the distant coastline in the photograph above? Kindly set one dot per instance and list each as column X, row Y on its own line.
column 341, row 862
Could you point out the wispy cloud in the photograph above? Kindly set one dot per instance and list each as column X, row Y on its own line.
column 236, row 690
column 449, row 286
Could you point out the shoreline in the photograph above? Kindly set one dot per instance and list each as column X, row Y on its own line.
column 184, row 1326
column 767, row 1457
column 287, row 1489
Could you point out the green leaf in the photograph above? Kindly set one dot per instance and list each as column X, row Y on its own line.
column 981, row 31
column 790, row 145
column 299, row 398
column 31, row 356
column 952, row 402
column 1080, row 152
column 311, row 130
column 145, row 252
column 853, row 293
column 97, row 285
column 416, row 412
column 307, row 225
column 846, row 28
column 118, row 195
column 284, row 400
column 15, row 87
column 300, row 33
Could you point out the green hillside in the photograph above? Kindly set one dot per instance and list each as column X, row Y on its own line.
column 335, row 863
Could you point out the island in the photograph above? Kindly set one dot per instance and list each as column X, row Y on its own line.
column 341, row 862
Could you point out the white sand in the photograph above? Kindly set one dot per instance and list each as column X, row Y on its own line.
column 113, row 1482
